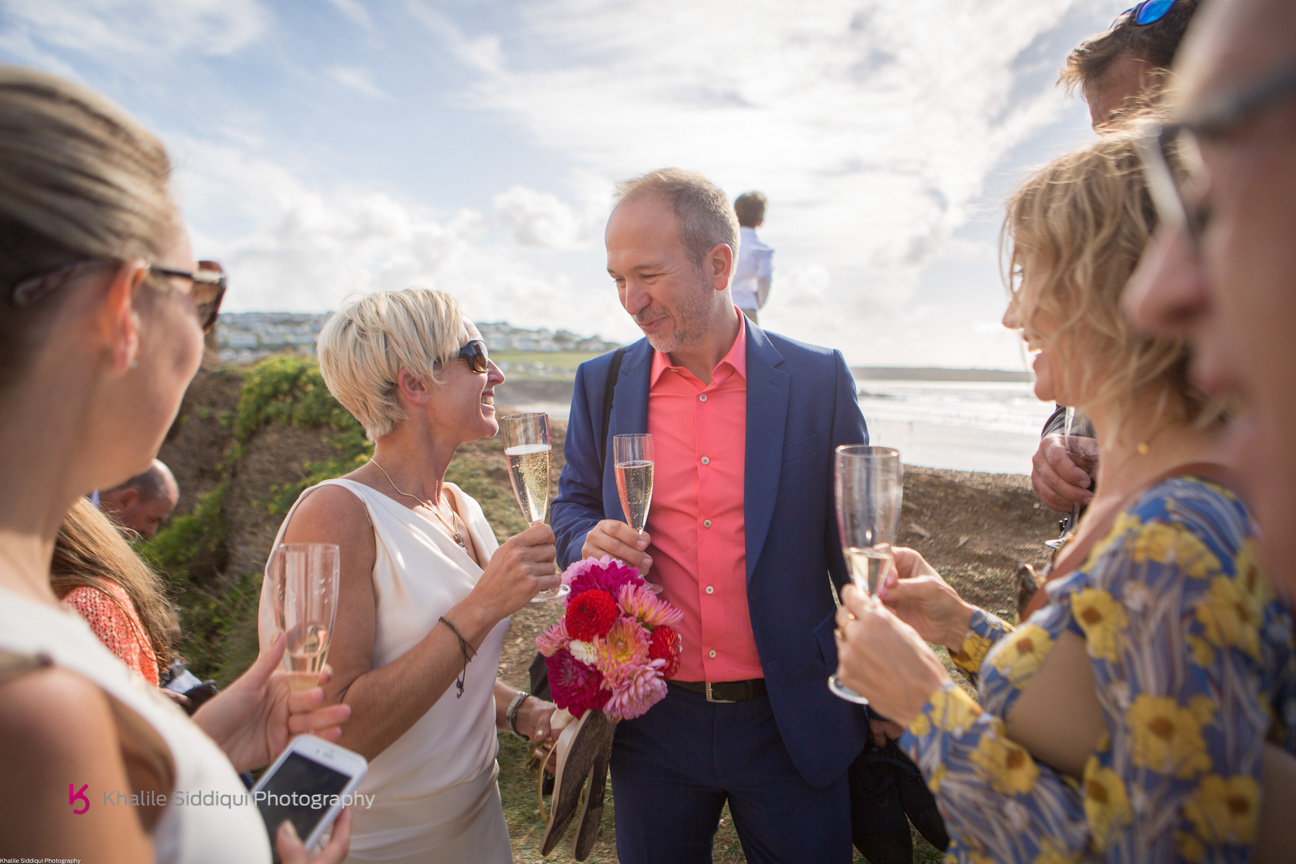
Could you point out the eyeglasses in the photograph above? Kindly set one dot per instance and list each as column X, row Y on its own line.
column 1147, row 12
column 1180, row 144
column 209, row 284
column 475, row 353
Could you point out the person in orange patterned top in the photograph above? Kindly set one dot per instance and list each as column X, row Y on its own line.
column 96, row 572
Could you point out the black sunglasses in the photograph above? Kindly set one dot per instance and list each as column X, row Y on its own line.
column 1180, row 143
column 475, row 353
column 209, row 284
column 1148, row 12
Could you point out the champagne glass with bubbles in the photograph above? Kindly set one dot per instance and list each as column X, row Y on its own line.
column 527, row 448
column 633, row 459
column 306, row 592
column 868, row 486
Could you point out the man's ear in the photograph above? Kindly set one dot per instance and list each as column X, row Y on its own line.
column 128, row 498
column 118, row 319
column 411, row 388
column 719, row 263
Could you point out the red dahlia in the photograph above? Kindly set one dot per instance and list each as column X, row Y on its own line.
column 664, row 644
column 590, row 614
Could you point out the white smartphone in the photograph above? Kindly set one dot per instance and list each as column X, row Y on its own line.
column 310, row 784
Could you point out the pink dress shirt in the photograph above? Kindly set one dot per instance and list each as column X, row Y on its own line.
column 696, row 519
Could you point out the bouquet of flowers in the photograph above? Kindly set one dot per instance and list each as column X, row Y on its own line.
column 616, row 644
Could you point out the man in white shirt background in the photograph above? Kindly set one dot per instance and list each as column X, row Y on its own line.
column 752, row 274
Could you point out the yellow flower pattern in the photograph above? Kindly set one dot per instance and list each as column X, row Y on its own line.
column 1165, row 737
column 1106, row 806
column 1225, row 809
column 1102, row 619
column 1192, row 659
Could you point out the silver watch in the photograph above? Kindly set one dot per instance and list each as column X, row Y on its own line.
column 510, row 716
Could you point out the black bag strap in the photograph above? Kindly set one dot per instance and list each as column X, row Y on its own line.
column 609, row 391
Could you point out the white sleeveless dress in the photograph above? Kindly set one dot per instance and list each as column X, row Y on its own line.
column 437, row 799
column 187, row 832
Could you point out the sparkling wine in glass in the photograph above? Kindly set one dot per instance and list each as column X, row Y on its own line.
column 633, row 459
column 306, row 585
column 527, row 449
column 868, row 485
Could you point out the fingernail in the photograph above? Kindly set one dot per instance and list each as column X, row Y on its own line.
column 642, row 544
column 646, row 562
column 287, row 827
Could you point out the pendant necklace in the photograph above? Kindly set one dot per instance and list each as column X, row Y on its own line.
column 458, row 538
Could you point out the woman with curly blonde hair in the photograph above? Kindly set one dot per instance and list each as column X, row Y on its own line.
column 1127, row 719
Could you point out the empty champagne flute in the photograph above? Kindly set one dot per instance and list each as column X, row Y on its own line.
column 527, row 449
column 868, row 487
column 306, row 592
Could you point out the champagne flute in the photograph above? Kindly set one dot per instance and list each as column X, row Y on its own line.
column 306, row 593
column 1082, row 449
column 633, row 459
column 868, row 486
column 527, row 448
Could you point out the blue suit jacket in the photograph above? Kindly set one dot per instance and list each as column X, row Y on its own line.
column 801, row 404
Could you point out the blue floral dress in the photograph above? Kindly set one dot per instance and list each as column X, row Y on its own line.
column 1193, row 664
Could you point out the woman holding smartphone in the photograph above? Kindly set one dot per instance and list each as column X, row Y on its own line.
column 102, row 311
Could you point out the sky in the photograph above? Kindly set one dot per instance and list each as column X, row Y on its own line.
column 326, row 147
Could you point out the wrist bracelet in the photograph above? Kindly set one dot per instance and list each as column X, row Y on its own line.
column 510, row 716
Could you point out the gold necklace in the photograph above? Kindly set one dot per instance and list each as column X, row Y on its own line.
column 458, row 538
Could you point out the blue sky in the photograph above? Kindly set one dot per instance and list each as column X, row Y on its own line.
column 325, row 147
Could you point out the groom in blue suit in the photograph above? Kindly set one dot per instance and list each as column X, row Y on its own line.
column 748, row 718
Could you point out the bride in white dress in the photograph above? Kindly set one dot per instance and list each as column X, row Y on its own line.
column 425, row 589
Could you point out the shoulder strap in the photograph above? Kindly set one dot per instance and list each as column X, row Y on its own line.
column 609, row 391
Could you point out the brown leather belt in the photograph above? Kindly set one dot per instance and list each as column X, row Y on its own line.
column 725, row 691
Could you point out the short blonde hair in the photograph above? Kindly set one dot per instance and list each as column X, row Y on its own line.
column 364, row 345
column 1075, row 232
column 80, row 180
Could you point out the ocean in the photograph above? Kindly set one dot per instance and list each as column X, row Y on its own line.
column 990, row 426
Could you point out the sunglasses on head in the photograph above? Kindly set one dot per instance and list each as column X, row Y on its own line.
column 209, row 283
column 1148, row 12
column 475, row 353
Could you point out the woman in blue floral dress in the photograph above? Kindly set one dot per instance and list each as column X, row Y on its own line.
column 1129, row 719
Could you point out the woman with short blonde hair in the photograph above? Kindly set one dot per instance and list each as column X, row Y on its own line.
column 426, row 591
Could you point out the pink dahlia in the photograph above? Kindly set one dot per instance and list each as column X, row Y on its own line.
column 554, row 639
column 607, row 573
column 626, row 644
column 638, row 601
column 575, row 686
column 637, row 689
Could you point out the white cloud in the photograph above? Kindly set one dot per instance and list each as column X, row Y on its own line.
column 360, row 79
column 354, row 12
column 541, row 219
column 112, row 30
column 872, row 126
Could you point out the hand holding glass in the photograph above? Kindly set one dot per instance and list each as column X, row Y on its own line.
column 306, row 591
column 527, row 448
column 868, row 487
